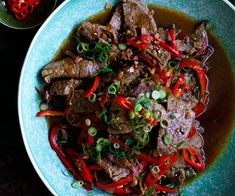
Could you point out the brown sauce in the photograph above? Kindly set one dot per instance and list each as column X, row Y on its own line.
column 218, row 118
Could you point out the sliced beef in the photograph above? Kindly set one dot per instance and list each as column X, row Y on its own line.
column 143, row 87
column 93, row 32
column 116, row 20
column 157, row 55
column 125, row 163
column 180, row 119
column 130, row 74
column 82, row 105
column 121, row 123
column 69, row 68
column 199, row 38
column 138, row 18
column 64, row 87
column 114, row 171
column 187, row 101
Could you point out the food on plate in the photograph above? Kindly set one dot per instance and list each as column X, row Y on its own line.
column 123, row 104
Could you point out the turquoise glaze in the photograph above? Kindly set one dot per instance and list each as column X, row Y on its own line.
column 219, row 178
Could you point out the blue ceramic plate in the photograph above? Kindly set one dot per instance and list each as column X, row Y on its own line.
column 219, row 179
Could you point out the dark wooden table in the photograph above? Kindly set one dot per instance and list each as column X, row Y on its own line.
column 17, row 176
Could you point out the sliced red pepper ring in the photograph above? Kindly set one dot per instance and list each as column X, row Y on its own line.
column 114, row 185
column 193, row 158
column 84, row 171
column 165, row 189
column 93, row 88
column 51, row 113
column 123, row 191
column 124, row 102
column 171, row 34
column 56, row 147
column 179, row 87
column 203, row 83
column 192, row 133
column 141, row 42
column 164, row 164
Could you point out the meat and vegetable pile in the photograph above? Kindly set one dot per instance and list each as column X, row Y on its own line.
column 123, row 104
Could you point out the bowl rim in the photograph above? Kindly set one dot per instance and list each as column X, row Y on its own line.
column 20, row 114
column 32, row 26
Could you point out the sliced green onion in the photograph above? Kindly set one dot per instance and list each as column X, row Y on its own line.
column 43, row 106
column 120, row 155
column 155, row 169
column 167, row 138
column 102, row 141
column 85, row 46
column 92, row 131
column 147, row 114
column 135, row 151
column 131, row 115
column 164, row 123
column 179, row 145
column 174, row 64
column 147, row 128
column 147, row 95
column 155, row 95
column 105, row 69
column 157, row 114
column 77, row 184
column 146, row 104
column 138, row 108
column 116, row 145
column 112, row 90
column 92, row 98
column 93, row 46
column 98, row 147
column 88, row 122
column 122, row 46
column 162, row 94
column 128, row 142
column 140, row 145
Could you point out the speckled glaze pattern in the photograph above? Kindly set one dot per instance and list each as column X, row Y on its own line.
column 219, row 179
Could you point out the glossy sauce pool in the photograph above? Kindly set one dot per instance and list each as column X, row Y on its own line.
column 218, row 118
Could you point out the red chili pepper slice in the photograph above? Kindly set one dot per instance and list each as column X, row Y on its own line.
column 144, row 60
column 179, row 87
column 93, row 167
column 171, row 33
column 93, row 88
column 165, row 189
column 193, row 158
column 173, row 51
column 80, row 164
column 146, row 38
column 124, row 102
column 51, row 113
column 90, row 139
column 164, row 164
column 152, row 122
column 203, row 83
column 116, row 184
column 122, row 191
column 141, row 42
column 56, row 147
column 142, row 155
column 192, row 133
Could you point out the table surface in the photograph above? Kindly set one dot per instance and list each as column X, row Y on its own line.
column 17, row 175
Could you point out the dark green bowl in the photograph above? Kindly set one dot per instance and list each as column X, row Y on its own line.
column 36, row 18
